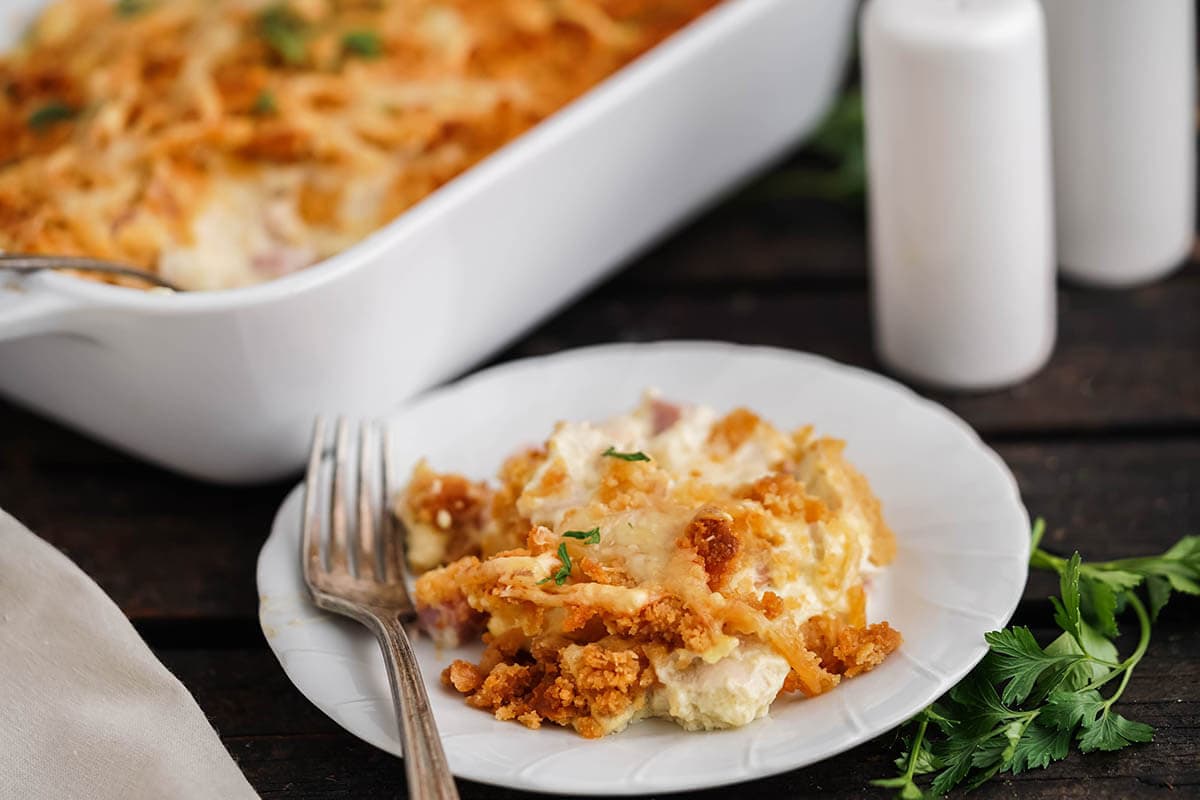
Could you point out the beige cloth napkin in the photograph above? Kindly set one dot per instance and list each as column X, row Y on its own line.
column 86, row 710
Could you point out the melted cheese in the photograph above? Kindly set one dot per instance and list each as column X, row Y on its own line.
column 711, row 551
column 812, row 566
column 154, row 137
column 729, row 693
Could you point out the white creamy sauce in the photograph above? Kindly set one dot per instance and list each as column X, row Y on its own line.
column 247, row 233
column 731, row 692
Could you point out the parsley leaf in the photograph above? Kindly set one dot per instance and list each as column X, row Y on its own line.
column 1099, row 602
column 1116, row 579
column 1178, row 568
column 634, row 456
column 977, row 692
column 1113, row 732
column 1066, row 611
column 285, row 32
column 925, row 761
column 1159, row 591
column 1067, row 710
column 264, row 104
column 1186, row 549
column 1077, row 676
column 587, row 537
column 1017, row 658
column 839, row 145
column 564, row 571
column 957, row 758
column 1096, row 645
column 1038, row 746
column 365, row 44
column 50, row 115
column 130, row 8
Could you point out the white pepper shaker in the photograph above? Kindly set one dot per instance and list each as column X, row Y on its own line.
column 961, row 219
column 1123, row 94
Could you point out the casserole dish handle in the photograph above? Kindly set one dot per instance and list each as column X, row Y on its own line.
column 28, row 309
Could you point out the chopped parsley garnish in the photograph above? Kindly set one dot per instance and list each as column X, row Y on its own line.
column 49, row 115
column 285, row 33
column 587, row 537
column 264, row 104
column 365, row 44
column 564, row 571
column 634, row 456
column 130, row 8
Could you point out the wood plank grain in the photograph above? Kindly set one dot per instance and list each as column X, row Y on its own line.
column 162, row 546
column 289, row 749
column 755, row 240
column 1122, row 360
column 169, row 548
column 335, row 766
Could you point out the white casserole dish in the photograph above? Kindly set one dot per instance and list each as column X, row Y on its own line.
column 223, row 385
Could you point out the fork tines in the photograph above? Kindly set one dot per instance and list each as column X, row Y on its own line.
column 361, row 545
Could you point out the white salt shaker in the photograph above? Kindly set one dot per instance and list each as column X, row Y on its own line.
column 961, row 220
column 1123, row 93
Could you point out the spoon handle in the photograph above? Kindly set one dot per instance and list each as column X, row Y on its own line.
column 26, row 264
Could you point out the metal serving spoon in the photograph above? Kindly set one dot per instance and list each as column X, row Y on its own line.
column 27, row 264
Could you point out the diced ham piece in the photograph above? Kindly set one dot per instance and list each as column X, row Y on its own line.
column 665, row 414
column 451, row 623
column 281, row 260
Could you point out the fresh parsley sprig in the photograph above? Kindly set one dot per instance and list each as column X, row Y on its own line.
column 1024, row 705
column 836, row 168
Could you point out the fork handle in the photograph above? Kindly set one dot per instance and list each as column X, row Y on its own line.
column 429, row 777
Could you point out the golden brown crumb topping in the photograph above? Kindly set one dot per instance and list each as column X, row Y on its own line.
column 678, row 565
column 567, row 683
column 121, row 125
column 711, row 534
column 448, row 510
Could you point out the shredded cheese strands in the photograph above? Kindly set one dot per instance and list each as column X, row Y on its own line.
column 734, row 550
column 158, row 113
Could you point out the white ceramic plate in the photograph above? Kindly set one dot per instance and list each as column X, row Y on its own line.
column 962, row 532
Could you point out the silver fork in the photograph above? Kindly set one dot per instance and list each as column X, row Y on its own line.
column 361, row 575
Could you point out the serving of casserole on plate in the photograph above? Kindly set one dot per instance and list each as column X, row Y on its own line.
column 226, row 142
column 668, row 562
column 959, row 567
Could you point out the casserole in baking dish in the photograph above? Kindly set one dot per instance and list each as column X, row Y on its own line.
column 222, row 143
column 223, row 384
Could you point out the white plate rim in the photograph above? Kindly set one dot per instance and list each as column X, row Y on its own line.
column 946, row 679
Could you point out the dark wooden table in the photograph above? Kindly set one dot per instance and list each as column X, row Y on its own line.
column 1105, row 443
